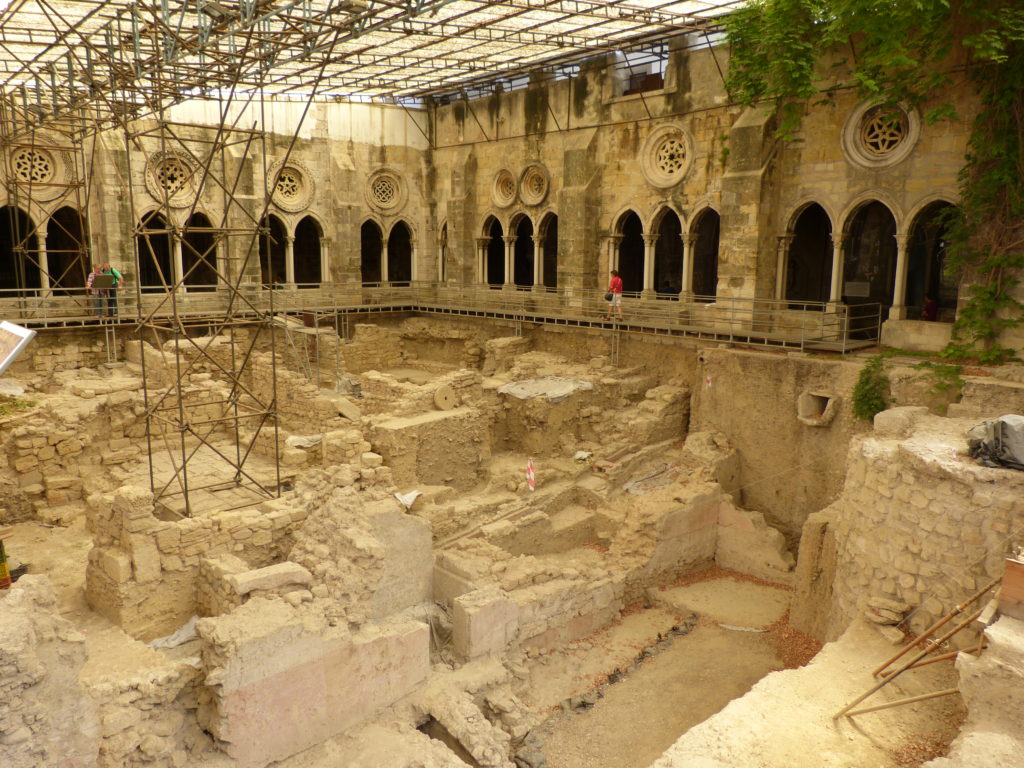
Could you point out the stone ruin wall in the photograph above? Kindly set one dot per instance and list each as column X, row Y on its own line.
column 917, row 529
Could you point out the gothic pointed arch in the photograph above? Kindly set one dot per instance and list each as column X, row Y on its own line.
column 371, row 246
column 495, row 257
column 66, row 250
column 549, row 237
column 400, row 254
column 668, row 254
column 631, row 251
column 306, row 253
column 154, row 249
column 809, row 256
column 19, row 252
column 273, row 249
column 199, row 254
column 706, row 230
column 869, row 255
column 927, row 250
column 523, row 252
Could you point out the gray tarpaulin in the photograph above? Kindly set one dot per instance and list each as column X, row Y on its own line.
column 998, row 443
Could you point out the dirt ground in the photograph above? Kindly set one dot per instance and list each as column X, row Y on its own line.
column 684, row 678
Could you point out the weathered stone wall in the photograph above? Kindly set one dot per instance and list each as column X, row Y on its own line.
column 919, row 524
column 283, row 681
column 63, row 349
column 789, row 467
column 65, row 447
column 143, row 571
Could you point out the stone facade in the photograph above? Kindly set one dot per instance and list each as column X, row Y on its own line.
column 551, row 185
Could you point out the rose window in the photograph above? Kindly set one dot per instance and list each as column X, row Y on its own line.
column 172, row 175
column 503, row 190
column 384, row 191
column 289, row 184
column 882, row 131
column 670, row 157
column 32, row 166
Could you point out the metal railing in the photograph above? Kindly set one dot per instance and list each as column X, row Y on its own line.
column 769, row 322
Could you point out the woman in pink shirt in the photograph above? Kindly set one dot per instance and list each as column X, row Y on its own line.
column 615, row 289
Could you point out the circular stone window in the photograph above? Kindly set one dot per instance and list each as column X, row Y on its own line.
column 533, row 187
column 503, row 192
column 667, row 156
column 42, row 168
column 293, row 186
column 385, row 190
column 877, row 136
column 171, row 176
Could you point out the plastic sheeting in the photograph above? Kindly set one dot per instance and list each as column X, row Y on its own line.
column 998, row 443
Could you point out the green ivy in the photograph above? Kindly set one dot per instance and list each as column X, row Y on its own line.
column 871, row 391
column 896, row 51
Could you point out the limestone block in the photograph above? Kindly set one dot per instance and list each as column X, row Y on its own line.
column 408, row 561
column 145, row 557
column 116, row 564
column 746, row 543
column 270, row 578
column 280, row 686
column 433, row 448
column 898, row 422
column 485, row 622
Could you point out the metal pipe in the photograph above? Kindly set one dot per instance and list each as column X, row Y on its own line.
column 907, row 700
column 905, row 667
column 956, row 610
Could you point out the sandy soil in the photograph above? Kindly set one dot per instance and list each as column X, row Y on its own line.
column 61, row 554
column 684, row 680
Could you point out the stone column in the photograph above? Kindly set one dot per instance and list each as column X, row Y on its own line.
column 649, row 242
column 481, row 259
column 45, row 283
column 836, row 292
column 898, row 310
column 782, row 264
column 384, row 260
column 289, row 260
column 176, row 278
column 510, row 251
column 613, row 243
column 325, row 261
column 689, row 245
column 538, row 263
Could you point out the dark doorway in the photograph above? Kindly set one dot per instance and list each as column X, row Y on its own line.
column 523, row 254
column 400, row 254
column 272, row 252
column 154, row 248
column 549, row 226
column 869, row 265
column 19, row 251
column 705, row 255
column 66, row 251
column 371, row 243
column 199, row 254
column 495, row 254
column 809, row 261
column 631, row 252
column 306, row 252
column 926, row 264
column 668, row 256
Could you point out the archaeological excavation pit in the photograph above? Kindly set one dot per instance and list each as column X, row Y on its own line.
column 519, row 384
column 502, row 555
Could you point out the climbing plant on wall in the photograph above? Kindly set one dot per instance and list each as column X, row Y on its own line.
column 895, row 51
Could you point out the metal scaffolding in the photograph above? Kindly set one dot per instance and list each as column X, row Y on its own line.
column 75, row 70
